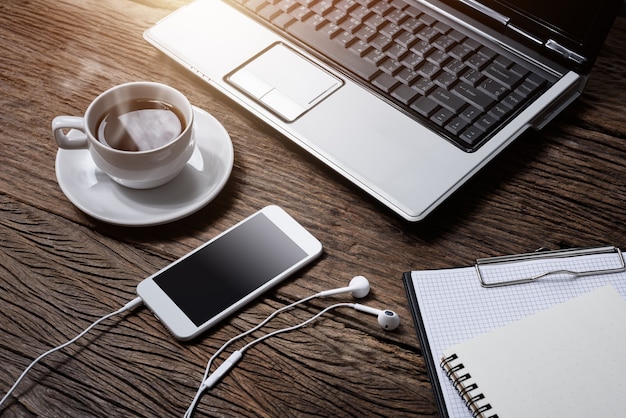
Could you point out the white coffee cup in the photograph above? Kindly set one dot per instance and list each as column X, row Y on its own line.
column 161, row 157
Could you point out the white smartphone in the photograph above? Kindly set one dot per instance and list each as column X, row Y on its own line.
column 221, row 276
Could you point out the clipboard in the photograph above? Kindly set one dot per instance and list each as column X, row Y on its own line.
column 450, row 306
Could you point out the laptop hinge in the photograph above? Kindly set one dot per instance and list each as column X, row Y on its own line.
column 569, row 54
column 506, row 21
column 487, row 11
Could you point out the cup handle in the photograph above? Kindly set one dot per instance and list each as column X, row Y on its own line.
column 60, row 123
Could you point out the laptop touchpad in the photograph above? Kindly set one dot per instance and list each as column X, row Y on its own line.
column 284, row 81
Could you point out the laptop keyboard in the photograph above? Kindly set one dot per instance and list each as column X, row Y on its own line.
column 459, row 87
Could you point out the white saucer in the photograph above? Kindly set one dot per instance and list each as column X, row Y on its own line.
column 201, row 180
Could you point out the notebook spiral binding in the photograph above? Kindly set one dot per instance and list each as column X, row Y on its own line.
column 468, row 390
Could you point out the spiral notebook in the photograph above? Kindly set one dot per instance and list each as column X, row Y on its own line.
column 566, row 361
column 453, row 306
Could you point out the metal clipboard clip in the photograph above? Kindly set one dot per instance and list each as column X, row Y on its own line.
column 482, row 263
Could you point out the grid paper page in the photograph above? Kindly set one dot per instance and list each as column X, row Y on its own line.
column 454, row 307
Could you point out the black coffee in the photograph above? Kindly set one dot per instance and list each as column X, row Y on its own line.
column 140, row 125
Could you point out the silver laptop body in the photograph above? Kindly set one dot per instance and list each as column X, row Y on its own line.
column 405, row 165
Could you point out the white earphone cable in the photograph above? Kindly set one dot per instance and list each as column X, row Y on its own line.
column 295, row 327
column 209, row 380
column 130, row 305
column 236, row 338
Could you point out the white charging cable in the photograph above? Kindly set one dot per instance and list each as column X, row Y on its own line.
column 130, row 305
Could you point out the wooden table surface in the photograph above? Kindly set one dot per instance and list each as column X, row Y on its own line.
column 61, row 269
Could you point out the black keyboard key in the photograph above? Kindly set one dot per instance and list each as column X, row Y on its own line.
column 381, row 8
column 380, row 42
column 404, row 93
column 375, row 57
column 424, row 86
column 447, row 100
column 283, row 20
column 375, row 21
column 391, row 66
column 351, row 24
column 492, row 88
column 505, row 77
column 460, row 51
column 456, row 126
column 365, row 33
column 442, row 27
column 334, row 50
column 503, row 61
column 317, row 22
column 441, row 116
column 344, row 38
column 488, row 53
column 329, row 29
column 322, row 7
column 412, row 60
column 472, row 44
column 407, row 76
column 344, row 5
column 536, row 79
column 456, row 35
column 499, row 112
column 429, row 70
column 360, row 48
column 472, row 77
column 454, row 67
column 427, row 19
column 412, row 11
column 527, row 89
column 385, row 82
column 473, row 96
column 412, row 25
column 438, row 58
column 391, row 30
column 444, row 43
column 477, row 61
column 513, row 101
column 427, row 33
column 519, row 70
column 445, row 80
column 255, row 5
column 396, row 16
column 287, row 5
column 472, row 135
column 424, row 106
column 485, row 123
column 338, row 16
column 396, row 51
column 406, row 39
column 269, row 12
column 359, row 12
column 301, row 13
column 421, row 48
column 470, row 114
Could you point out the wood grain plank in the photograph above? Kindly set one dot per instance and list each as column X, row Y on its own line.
column 60, row 269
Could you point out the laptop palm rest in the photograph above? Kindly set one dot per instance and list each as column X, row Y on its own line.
column 283, row 81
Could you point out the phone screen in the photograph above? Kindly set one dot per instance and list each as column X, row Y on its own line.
column 219, row 274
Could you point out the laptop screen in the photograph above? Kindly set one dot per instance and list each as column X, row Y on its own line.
column 578, row 25
column 568, row 18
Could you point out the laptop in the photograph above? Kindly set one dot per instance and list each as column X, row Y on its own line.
column 407, row 99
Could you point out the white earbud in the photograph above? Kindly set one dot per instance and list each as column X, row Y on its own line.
column 359, row 286
column 387, row 319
